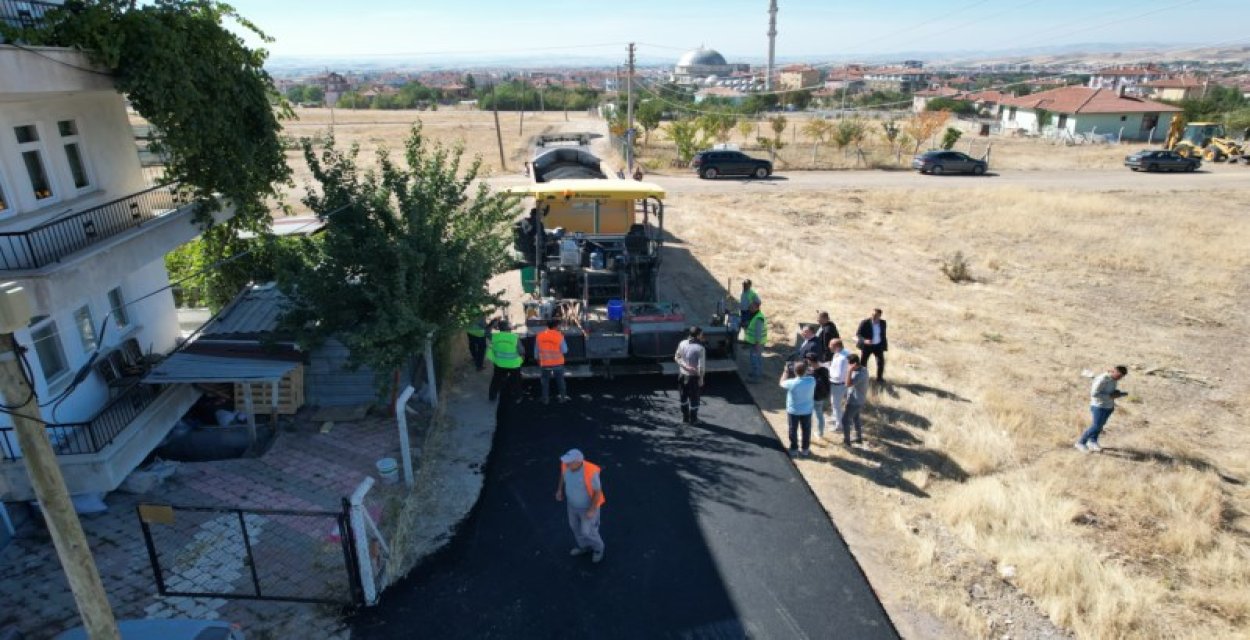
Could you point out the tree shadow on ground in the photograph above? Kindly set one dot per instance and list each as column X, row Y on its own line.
column 1159, row 457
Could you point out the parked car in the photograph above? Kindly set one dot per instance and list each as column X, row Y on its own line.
column 167, row 630
column 939, row 162
column 1159, row 160
column 714, row 163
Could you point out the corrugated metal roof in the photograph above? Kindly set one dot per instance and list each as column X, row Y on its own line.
column 188, row 368
column 253, row 313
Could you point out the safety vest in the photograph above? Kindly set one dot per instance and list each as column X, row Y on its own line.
column 549, row 354
column 747, row 298
column 588, row 474
column 504, row 351
column 477, row 329
column 757, row 321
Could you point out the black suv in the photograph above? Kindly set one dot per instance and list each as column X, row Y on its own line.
column 713, row 163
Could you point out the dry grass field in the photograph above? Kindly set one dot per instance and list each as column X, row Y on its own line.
column 1006, row 152
column 970, row 469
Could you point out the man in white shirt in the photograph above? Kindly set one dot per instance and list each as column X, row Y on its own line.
column 1102, row 397
column 838, row 368
column 691, row 360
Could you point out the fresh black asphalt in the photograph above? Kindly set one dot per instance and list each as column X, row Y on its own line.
column 710, row 533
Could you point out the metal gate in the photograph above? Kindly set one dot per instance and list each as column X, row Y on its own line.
column 252, row 554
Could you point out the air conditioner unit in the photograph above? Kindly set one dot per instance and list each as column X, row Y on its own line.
column 15, row 309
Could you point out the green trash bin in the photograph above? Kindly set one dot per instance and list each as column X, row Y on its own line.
column 528, row 285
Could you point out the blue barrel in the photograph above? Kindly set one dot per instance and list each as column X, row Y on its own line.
column 616, row 310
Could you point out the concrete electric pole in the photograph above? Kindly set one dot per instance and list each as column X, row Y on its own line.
column 629, row 114
column 772, row 44
column 503, row 165
column 49, row 484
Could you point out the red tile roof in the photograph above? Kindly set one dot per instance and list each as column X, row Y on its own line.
column 987, row 96
column 1087, row 100
column 1148, row 70
column 1181, row 82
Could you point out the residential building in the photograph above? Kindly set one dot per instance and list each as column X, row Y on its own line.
column 1082, row 110
column 85, row 236
column 1177, row 88
column 1130, row 79
column 987, row 102
column 796, row 77
column 334, row 84
column 897, row 79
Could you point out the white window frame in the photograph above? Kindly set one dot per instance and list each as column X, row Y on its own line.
column 76, row 140
column 41, row 146
column 117, row 308
column 55, row 341
column 86, row 334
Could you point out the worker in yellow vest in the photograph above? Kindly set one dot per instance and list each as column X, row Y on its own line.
column 581, row 490
column 476, row 332
column 551, row 348
column 755, row 334
column 507, row 353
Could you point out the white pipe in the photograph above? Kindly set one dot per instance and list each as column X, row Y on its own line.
column 401, row 417
column 360, row 535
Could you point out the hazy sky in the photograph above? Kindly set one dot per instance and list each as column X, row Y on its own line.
column 434, row 30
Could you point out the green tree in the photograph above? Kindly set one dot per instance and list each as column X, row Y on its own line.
column 950, row 137
column 314, row 94
column 296, row 93
column 958, row 107
column 689, row 136
column 649, row 114
column 818, row 130
column 801, row 99
column 759, row 102
column 408, row 249
column 1044, row 119
column 716, row 126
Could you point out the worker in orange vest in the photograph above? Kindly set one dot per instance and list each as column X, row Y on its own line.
column 582, row 492
column 551, row 348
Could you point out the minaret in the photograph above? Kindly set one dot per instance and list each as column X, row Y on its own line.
column 772, row 43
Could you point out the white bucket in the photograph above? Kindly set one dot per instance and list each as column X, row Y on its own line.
column 388, row 469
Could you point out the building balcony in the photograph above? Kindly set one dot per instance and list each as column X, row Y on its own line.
column 96, row 455
column 57, row 239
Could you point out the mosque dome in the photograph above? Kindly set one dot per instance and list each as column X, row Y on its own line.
column 701, row 56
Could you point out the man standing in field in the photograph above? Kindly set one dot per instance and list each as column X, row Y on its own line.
column 748, row 302
column 839, row 366
column 582, row 492
column 691, row 360
column 873, row 341
column 1102, row 397
column 856, row 398
column 825, row 332
column 800, row 401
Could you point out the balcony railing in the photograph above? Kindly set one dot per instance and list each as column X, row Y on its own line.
column 54, row 240
column 24, row 14
column 91, row 436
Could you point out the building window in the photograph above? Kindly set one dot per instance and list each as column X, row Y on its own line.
column 73, row 153
column 117, row 304
column 4, row 202
column 32, row 157
column 48, row 349
column 86, row 328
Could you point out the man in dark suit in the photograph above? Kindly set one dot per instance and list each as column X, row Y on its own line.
column 872, row 340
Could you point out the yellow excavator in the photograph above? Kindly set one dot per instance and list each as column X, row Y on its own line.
column 1206, row 140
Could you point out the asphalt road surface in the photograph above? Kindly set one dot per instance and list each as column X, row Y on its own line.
column 1214, row 177
column 710, row 533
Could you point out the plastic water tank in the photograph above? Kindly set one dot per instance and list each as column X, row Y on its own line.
column 570, row 255
column 616, row 309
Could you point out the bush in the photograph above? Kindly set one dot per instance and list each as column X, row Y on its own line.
column 956, row 268
column 951, row 136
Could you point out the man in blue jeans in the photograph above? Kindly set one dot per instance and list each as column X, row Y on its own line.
column 1102, row 397
column 800, row 393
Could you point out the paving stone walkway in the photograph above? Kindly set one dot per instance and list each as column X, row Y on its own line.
column 303, row 470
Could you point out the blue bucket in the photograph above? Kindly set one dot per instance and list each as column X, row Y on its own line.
column 616, row 310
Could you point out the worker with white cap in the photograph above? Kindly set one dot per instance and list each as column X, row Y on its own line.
column 580, row 484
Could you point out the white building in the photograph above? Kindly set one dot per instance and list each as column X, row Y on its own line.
column 1081, row 110
column 697, row 65
column 1128, row 79
column 84, row 235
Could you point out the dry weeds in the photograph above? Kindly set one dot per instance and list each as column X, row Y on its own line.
column 974, row 436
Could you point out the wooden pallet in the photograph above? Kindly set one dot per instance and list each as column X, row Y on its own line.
column 290, row 394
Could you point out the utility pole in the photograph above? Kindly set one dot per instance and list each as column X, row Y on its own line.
column 629, row 114
column 524, row 85
column 494, row 101
column 49, row 484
